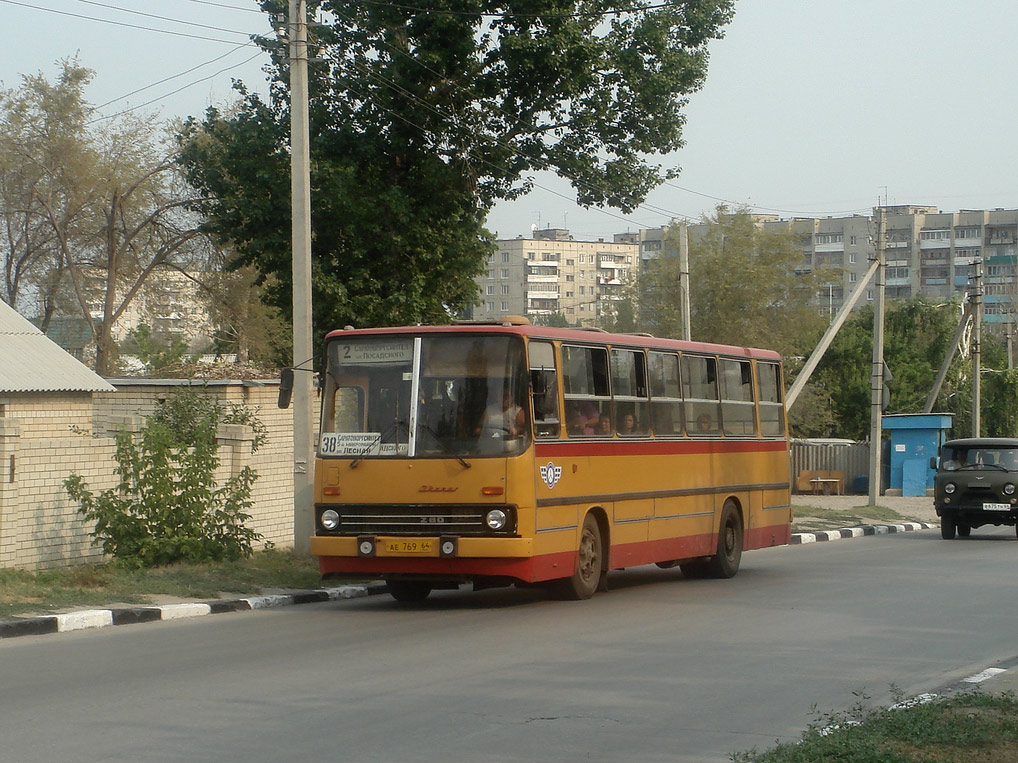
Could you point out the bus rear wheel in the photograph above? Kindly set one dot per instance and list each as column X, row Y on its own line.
column 725, row 563
column 585, row 580
column 408, row 591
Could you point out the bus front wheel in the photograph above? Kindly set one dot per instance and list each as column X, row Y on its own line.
column 408, row 591
column 584, row 581
column 725, row 563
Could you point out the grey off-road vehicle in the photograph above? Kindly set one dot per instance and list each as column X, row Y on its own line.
column 976, row 484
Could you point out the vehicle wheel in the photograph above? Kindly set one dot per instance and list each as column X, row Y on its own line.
column 963, row 530
column 725, row 563
column 584, row 581
column 408, row 591
column 947, row 527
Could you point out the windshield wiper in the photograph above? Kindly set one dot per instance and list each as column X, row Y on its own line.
column 373, row 443
column 445, row 446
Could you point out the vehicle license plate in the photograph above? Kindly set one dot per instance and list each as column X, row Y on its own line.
column 996, row 507
column 424, row 547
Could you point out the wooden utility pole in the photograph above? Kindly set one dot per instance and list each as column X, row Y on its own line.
column 877, row 375
column 303, row 353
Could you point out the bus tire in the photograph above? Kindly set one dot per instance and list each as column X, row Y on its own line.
column 408, row 591
column 587, row 577
column 947, row 526
column 725, row 563
column 964, row 531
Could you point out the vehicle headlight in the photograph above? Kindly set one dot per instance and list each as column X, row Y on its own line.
column 1009, row 488
column 949, row 488
column 330, row 519
column 496, row 519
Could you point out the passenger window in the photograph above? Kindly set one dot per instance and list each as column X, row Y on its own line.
column 737, row 410
column 629, row 392
column 586, row 389
column 772, row 420
column 544, row 389
column 665, row 394
column 700, row 391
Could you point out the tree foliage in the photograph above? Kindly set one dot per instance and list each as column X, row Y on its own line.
column 167, row 506
column 917, row 334
column 747, row 287
column 94, row 208
column 424, row 115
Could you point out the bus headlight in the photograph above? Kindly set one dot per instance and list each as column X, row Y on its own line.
column 330, row 519
column 1009, row 488
column 496, row 519
column 949, row 488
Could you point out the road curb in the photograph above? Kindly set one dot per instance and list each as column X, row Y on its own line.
column 821, row 536
column 102, row 618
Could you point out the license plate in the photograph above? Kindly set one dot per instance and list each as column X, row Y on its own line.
column 423, row 547
column 996, row 507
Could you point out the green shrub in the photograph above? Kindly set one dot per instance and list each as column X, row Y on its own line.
column 167, row 506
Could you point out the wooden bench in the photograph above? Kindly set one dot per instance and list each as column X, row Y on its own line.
column 824, row 481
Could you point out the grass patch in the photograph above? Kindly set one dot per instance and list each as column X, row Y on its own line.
column 966, row 727
column 97, row 585
column 809, row 518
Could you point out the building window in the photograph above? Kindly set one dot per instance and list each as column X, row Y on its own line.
column 505, row 273
column 934, row 235
column 869, row 294
column 570, row 262
column 851, row 241
column 853, row 277
column 583, row 290
column 489, row 291
column 531, row 256
column 491, row 307
column 491, row 274
column 505, row 256
column 830, row 238
column 967, row 232
column 583, row 258
column 505, row 307
column 505, row 288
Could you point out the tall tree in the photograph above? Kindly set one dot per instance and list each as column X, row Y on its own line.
column 424, row 115
column 101, row 203
column 747, row 287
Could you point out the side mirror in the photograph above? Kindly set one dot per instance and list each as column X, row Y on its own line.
column 285, row 387
column 933, row 463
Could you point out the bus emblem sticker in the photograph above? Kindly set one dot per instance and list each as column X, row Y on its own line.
column 551, row 474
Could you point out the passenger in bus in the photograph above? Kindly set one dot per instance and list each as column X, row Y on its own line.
column 604, row 425
column 627, row 424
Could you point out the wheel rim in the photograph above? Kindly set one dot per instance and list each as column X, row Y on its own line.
column 589, row 555
column 729, row 539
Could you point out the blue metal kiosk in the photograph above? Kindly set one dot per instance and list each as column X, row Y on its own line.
column 915, row 437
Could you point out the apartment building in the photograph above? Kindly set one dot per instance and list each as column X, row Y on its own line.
column 927, row 252
column 551, row 273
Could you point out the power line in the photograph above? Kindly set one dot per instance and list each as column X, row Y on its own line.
column 579, row 14
column 172, row 92
column 159, row 18
column 122, row 23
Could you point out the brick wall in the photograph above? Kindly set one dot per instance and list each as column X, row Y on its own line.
column 48, row 437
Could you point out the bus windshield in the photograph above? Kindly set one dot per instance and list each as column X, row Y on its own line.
column 433, row 396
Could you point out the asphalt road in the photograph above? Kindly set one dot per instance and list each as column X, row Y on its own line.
column 658, row 669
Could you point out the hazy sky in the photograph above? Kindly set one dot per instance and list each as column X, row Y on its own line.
column 810, row 108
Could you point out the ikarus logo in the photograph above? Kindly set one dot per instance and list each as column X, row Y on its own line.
column 551, row 474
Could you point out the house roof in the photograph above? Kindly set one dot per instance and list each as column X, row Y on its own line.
column 31, row 362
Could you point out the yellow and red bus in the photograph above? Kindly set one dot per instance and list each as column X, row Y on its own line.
column 507, row 453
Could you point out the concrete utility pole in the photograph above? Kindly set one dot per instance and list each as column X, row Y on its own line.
column 877, row 377
column 977, row 331
column 303, row 353
column 684, row 280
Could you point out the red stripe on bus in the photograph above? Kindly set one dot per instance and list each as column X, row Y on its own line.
column 655, row 447
column 529, row 570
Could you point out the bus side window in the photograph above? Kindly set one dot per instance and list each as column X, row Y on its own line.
column 586, row 388
column 700, row 390
column 737, row 410
column 772, row 422
column 544, row 389
column 665, row 394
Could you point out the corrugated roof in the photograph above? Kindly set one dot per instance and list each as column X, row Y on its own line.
column 31, row 362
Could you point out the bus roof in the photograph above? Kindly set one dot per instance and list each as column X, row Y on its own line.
column 588, row 336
